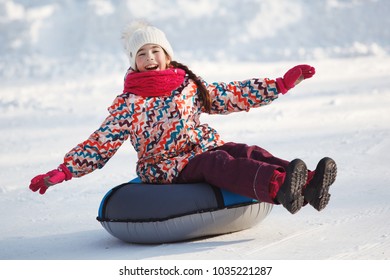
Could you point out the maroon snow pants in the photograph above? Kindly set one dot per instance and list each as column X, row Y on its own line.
column 239, row 168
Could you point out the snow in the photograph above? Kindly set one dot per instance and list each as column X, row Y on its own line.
column 61, row 65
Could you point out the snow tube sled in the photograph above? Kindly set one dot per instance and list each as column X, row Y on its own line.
column 146, row 213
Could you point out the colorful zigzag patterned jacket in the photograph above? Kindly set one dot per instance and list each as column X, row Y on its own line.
column 166, row 132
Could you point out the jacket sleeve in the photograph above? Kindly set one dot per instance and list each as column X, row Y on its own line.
column 241, row 96
column 101, row 145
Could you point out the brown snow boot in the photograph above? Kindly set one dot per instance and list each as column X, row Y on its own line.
column 290, row 193
column 317, row 191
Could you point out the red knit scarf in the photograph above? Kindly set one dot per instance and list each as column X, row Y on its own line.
column 154, row 83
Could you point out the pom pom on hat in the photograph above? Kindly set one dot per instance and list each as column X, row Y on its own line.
column 140, row 33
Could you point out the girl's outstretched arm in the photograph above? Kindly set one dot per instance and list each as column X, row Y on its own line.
column 244, row 95
column 95, row 152
column 91, row 154
column 241, row 95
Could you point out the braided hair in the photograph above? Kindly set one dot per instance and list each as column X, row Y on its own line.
column 203, row 92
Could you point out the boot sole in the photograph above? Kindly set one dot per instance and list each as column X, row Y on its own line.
column 290, row 193
column 317, row 192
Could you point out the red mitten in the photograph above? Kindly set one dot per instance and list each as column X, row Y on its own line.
column 44, row 181
column 294, row 76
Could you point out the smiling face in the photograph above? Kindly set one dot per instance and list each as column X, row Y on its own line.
column 151, row 57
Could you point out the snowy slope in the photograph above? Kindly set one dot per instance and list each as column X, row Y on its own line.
column 61, row 66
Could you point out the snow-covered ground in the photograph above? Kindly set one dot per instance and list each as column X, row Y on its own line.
column 53, row 95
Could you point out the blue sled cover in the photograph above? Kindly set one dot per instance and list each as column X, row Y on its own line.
column 147, row 213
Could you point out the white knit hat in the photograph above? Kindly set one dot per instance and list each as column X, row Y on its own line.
column 140, row 33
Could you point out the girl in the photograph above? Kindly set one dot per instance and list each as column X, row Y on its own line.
column 159, row 112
